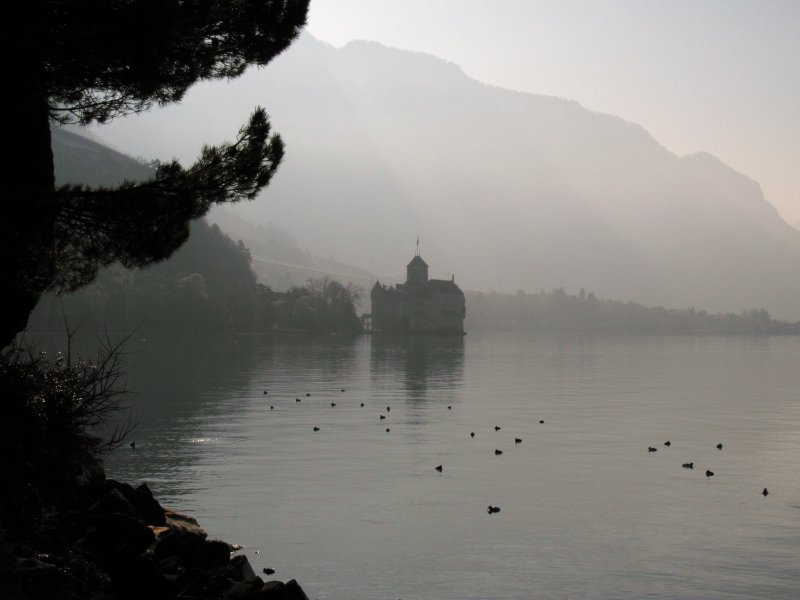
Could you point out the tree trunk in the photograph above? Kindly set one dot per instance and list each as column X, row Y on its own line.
column 27, row 213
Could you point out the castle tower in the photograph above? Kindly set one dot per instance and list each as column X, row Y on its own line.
column 417, row 271
column 420, row 305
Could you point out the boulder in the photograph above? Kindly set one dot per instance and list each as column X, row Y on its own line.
column 214, row 553
column 171, row 568
column 239, row 569
column 180, row 523
column 186, row 546
column 138, row 577
column 243, row 590
column 181, row 536
column 294, row 591
column 91, row 472
column 40, row 579
column 142, row 498
column 277, row 590
column 114, row 501
column 109, row 535
column 193, row 591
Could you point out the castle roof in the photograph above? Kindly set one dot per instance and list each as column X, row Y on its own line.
column 417, row 262
column 443, row 286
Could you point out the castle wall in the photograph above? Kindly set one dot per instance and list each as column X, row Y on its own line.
column 389, row 310
column 420, row 305
column 438, row 313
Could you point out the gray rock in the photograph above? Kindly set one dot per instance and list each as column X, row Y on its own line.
column 215, row 553
column 147, row 505
column 179, row 523
column 107, row 534
column 243, row 590
column 277, row 590
column 239, row 569
column 114, row 501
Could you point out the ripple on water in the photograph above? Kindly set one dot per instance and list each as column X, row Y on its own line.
column 352, row 511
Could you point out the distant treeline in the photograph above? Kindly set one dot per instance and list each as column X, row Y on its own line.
column 557, row 311
column 207, row 285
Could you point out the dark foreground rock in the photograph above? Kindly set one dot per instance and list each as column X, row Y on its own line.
column 117, row 543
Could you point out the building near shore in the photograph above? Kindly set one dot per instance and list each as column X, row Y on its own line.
column 420, row 305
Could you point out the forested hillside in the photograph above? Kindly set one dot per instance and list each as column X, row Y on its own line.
column 507, row 190
column 208, row 284
column 586, row 313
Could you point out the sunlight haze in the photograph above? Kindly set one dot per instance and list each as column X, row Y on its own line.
column 715, row 76
column 643, row 151
column 450, row 299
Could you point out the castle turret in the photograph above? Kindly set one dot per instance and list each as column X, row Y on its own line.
column 377, row 291
column 417, row 271
column 420, row 305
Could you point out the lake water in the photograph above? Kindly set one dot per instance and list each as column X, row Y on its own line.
column 354, row 511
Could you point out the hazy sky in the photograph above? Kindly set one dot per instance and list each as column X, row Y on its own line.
column 716, row 75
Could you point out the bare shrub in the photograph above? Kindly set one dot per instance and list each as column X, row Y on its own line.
column 55, row 419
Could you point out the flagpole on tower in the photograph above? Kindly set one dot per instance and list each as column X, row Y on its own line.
column 417, row 254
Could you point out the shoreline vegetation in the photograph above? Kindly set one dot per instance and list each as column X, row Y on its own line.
column 187, row 303
column 557, row 311
column 209, row 284
column 68, row 531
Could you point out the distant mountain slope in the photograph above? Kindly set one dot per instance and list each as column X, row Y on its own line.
column 277, row 260
column 511, row 190
column 78, row 159
column 508, row 190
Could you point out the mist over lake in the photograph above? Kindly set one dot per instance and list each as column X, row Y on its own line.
column 373, row 299
column 355, row 511
column 507, row 190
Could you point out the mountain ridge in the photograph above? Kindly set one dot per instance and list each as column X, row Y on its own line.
column 507, row 189
column 277, row 259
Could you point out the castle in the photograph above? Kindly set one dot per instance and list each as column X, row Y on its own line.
column 420, row 305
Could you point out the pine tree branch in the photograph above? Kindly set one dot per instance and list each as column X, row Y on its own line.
column 140, row 224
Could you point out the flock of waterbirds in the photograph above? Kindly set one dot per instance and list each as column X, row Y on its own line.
column 439, row 468
column 690, row 465
column 498, row 452
column 495, row 509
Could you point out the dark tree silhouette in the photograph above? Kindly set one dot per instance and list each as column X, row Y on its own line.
column 79, row 61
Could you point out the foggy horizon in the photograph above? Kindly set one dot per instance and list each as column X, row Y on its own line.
column 715, row 76
column 366, row 299
column 365, row 151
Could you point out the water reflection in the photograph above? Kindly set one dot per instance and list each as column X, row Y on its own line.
column 175, row 383
column 325, row 357
column 427, row 363
column 316, row 503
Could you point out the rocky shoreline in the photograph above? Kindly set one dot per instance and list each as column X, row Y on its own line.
column 113, row 541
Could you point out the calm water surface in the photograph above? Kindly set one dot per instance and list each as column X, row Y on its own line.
column 354, row 511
